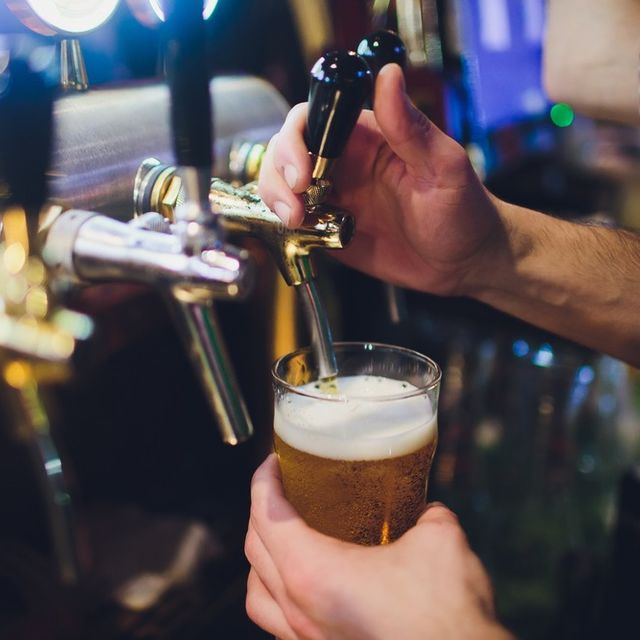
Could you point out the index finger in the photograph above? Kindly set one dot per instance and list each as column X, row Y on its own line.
column 286, row 167
column 292, row 151
column 274, row 519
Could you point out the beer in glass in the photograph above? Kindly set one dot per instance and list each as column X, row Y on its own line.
column 355, row 459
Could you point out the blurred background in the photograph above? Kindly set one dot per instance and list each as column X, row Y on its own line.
column 539, row 437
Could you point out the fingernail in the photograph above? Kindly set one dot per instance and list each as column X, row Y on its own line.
column 291, row 176
column 283, row 211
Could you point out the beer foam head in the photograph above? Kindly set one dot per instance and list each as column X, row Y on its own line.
column 364, row 422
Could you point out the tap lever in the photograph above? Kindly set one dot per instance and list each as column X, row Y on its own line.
column 26, row 108
column 158, row 187
column 186, row 65
column 36, row 346
column 380, row 48
column 340, row 83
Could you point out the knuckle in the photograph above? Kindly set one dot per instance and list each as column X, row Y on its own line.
column 420, row 125
column 303, row 626
column 250, row 545
column 250, row 604
column 456, row 158
column 296, row 112
column 311, row 586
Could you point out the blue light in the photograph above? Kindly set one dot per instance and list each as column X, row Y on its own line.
column 544, row 356
column 520, row 348
column 585, row 375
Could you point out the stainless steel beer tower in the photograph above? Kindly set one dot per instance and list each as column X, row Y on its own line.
column 188, row 260
column 340, row 84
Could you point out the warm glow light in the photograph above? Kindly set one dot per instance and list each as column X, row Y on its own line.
column 63, row 16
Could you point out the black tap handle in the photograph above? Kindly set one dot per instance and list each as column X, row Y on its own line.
column 380, row 48
column 341, row 81
column 186, row 66
column 26, row 126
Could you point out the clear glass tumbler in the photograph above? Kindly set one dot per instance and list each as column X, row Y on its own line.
column 355, row 462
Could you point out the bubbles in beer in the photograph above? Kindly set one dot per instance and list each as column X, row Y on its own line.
column 355, row 465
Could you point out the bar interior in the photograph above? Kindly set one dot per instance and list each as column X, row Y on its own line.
column 146, row 290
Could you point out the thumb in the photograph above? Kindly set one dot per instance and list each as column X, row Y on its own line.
column 408, row 131
column 436, row 512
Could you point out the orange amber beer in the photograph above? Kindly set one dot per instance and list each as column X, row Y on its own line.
column 355, row 463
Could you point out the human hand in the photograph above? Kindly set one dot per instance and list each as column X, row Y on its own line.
column 305, row 585
column 423, row 218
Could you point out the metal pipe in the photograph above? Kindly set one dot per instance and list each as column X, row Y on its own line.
column 200, row 333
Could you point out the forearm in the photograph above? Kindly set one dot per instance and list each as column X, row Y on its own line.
column 578, row 281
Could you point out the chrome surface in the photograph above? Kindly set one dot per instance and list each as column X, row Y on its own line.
column 102, row 136
column 241, row 212
column 81, row 246
column 418, row 28
column 199, row 330
column 84, row 247
column 73, row 73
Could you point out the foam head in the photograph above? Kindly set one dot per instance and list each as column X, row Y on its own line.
column 372, row 418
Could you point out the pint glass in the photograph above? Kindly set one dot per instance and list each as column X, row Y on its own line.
column 355, row 460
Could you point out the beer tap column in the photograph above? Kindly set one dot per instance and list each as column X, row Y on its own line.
column 37, row 338
column 340, row 83
column 195, row 223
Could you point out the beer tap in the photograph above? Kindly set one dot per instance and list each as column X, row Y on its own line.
column 37, row 338
column 380, row 48
column 188, row 260
column 340, row 83
column 195, row 221
column 73, row 72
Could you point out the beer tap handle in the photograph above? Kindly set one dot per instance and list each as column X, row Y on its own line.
column 186, row 66
column 380, row 48
column 26, row 114
column 191, row 122
column 340, row 83
column 196, row 225
column 35, row 351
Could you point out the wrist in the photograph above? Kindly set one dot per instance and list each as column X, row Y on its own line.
column 493, row 264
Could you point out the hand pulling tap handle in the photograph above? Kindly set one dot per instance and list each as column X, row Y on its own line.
column 193, row 142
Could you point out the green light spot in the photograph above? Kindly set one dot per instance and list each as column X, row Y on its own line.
column 562, row 115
